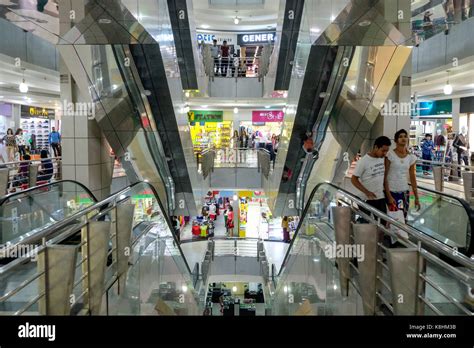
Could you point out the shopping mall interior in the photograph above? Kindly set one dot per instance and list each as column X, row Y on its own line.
column 236, row 158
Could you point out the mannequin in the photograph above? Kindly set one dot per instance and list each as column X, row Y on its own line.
column 461, row 144
column 439, row 139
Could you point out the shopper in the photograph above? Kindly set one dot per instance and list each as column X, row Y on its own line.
column 10, row 143
column 230, row 221
column 369, row 174
column 461, row 145
column 176, row 227
column 20, row 143
column 399, row 165
column 55, row 142
column 21, row 177
column 225, row 56
column 212, row 212
column 46, row 171
column 244, row 143
column 215, row 55
column 286, row 232
column 427, row 148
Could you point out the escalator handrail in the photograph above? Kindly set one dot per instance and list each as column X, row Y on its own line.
column 99, row 206
column 420, row 236
column 461, row 201
column 464, row 204
column 28, row 190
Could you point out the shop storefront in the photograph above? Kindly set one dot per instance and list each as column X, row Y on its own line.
column 466, row 118
column 6, row 119
column 435, row 118
column 209, row 130
column 264, row 124
column 36, row 123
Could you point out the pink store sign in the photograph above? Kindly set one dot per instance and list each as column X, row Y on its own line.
column 267, row 116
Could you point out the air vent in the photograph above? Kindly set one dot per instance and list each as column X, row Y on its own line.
column 406, row 80
column 236, row 3
column 64, row 78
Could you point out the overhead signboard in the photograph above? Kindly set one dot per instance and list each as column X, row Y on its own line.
column 33, row 111
column 205, row 116
column 259, row 116
column 220, row 37
column 255, row 39
column 434, row 108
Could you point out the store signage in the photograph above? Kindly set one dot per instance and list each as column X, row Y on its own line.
column 434, row 108
column 267, row 116
column 208, row 38
column 33, row 111
column 205, row 116
column 255, row 38
column 467, row 105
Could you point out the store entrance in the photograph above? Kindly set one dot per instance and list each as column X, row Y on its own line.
column 235, row 299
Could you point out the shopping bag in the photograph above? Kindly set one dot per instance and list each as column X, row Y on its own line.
column 397, row 215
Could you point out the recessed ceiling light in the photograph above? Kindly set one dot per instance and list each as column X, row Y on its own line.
column 267, row 107
column 236, row 20
column 104, row 21
column 315, row 30
column 204, row 106
column 236, row 110
column 205, row 26
column 333, row 18
column 365, row 23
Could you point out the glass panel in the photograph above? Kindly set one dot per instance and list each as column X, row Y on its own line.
column 159, row 281
column 28, row 212
column 440, row 281
column 441, row 217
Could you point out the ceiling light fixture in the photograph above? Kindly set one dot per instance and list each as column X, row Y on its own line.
column 333, row 18
column 236, row 110
column 365, row 23
column 23, row 87
column 447, row 89
column 267, row 107
column 205, row 26
column 236, row 18
column 104, row 21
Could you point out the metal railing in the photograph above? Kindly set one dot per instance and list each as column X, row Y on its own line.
column 264, row 162
column 428, row 253
column 19, row 175
column 236, row 66
column 86, row 223
column 425, row 30
column 453, row 173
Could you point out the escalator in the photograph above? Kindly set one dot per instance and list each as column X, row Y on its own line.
column 25, row 214
column 150, row 277
column 446, row 218
column 319, row 281
column 340, row 82
column 133, row 81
